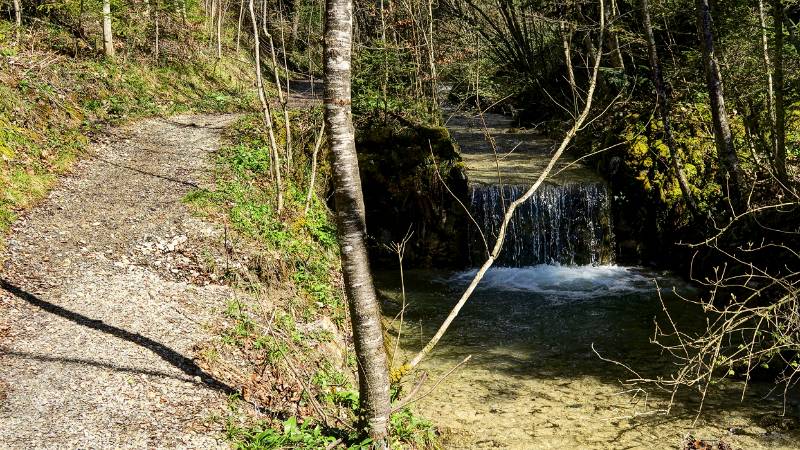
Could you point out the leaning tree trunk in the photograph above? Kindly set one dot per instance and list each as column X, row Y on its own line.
column 780, row 114
column 108, row 39
column 664, row 110
column 728, row 160
column 373, row 369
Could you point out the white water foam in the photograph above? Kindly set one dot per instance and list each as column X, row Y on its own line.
column 566, row 282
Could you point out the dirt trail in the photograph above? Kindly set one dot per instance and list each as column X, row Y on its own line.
column 103, row 298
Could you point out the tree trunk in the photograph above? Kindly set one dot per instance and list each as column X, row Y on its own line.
column 768, row 72
column 283, row 99
column 373, row 370
column 17, row 19
column 211, row 21
column 274, row 157
column 613, row 40
column 157, row 49
column 108, row 39
column 731, row 179
column 313, row 179
column 239, row 26
column 566, row 42
column 434, row 79
column 663, row 106
column 780, row 114
column 220, row 15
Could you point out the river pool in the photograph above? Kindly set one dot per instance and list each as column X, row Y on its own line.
column 534, row 382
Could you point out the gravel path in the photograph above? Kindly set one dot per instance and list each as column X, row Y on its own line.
column 104, row 290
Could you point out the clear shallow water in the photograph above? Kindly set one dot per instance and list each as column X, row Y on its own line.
column 534, row 382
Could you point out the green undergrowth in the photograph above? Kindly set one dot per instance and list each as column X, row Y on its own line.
column 288, row 333
column 51, row 104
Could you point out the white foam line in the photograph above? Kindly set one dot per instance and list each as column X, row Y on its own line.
column 573, row 282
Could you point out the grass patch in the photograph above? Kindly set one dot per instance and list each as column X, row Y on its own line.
column 51, row 104
column 300, row 365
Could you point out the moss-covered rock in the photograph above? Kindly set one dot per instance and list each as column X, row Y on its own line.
column 403, row 192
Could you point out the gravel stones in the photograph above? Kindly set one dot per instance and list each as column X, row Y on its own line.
column 103, row 300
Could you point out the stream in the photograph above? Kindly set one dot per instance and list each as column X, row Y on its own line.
column 534, row 381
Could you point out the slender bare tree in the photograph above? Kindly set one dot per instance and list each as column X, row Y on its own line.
column 373, row 371
column 726, row 153
column 239, row 26
column 312, row 181
column 108, row 39
column 768, row 73
column 266, row 110
column 17, row 19
column 664, row 110
column 780, row 113
column 220, row 16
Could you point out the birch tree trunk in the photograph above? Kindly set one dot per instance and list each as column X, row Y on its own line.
column 211, row 21
column 780, row 114
column 726, row 153
column 157, row 49
column 220, row 16
column 663, row 106
column 239, row 26
column 17, row 19
column 373, row 372
column 108, row 39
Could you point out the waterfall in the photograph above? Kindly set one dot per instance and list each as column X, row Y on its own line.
column 567, row 224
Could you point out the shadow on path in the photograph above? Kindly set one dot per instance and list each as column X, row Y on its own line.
column 90, row 362
column 150, row 174
column 169, row 355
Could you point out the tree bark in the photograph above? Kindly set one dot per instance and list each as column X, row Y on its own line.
column 157, row 49
column 768, row 72
column 18, row 19
column 434, row 79
column 313, row 179
column 239, row 26
column 613, row 40
column 265, row 108
column 108, row 39
column 220, row 16
column 664, row 110
column 780, row 114
column 731, row 179
column 282, row 99
column 373, row 370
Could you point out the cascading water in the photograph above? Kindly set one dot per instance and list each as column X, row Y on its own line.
column 567, row 224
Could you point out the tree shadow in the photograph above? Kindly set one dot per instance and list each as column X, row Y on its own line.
column 91, row 362
column 150, row 174
column 177, row 360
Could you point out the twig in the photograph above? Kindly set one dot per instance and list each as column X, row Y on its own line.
column 408, row 400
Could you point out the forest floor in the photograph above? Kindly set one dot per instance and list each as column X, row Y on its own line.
column 105, row 287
